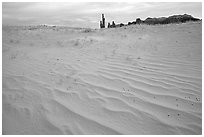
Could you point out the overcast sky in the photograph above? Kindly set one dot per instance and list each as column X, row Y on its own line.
column 89, row 14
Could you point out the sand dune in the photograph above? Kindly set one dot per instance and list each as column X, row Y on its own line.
column 138, row 79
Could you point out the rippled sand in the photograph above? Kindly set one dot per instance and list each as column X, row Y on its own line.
column 137, row 79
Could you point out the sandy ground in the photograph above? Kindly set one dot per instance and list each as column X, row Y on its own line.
column 137, row 79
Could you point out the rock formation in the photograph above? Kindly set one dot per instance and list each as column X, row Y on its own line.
column 152, row 21
column 170, row 19
column 102, row 23
column 165, row 20
column 109, row 25
column 113, row 24
column 121, row 24
column 138, row 21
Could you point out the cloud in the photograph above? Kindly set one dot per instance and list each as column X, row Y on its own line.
column 89, row 14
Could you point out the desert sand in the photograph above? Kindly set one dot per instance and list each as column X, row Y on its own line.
column 138, row 79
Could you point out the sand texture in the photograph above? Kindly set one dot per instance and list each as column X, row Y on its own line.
column 138, row 79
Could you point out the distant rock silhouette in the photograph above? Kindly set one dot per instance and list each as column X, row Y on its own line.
column 121, row 24
column 112, row 26
column 138, row 21
column 170, row 19
column 160, row 20
column 102, row 23
column 109, row 25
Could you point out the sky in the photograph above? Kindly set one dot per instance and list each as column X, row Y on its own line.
column 88, row 14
